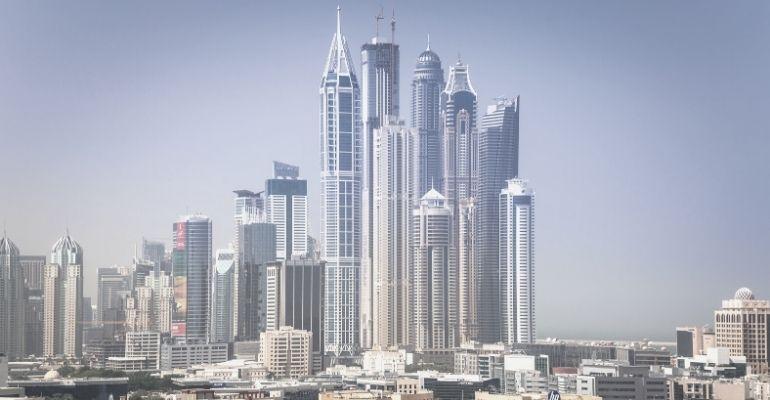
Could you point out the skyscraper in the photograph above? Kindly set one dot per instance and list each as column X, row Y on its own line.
column 427, row 85
column 434, row 311
column 287, row 209
column 258, row 244
column 395, row 150
column 743, row 326
column 155, row 252
column 498, row 162
column 191, row 262
column 113, row 286
column 380, row 85
column 12, row 301
column 341, row 180
column 517, row 262
column 222, row 296
column 249, row 207
column 63, row 304
column 460, row 168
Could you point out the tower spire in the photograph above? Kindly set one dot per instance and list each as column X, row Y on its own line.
column 428, row 49
column 339, row 23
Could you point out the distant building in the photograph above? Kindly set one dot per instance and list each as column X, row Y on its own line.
column 53, row 386
column 618, row 380
column 717, row 362
column 154, row 252
column 743, row 326
column 644, row 357
column 517, row 262
column 568, row 355
column 113, row 286
column 249, row 207
column 459, row 387
column 286, row 352
column 33, row 332
column 382, row 362
column 63, row 300
column 287, row 209
column 192, row 258
column 179, row 355
column 222, row 296
column 12, row 300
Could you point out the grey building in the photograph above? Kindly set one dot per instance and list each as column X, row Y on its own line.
column 177, row 355
column 222, row 281
column 427, row 85
column 380, row 94
column 249, row 207
column 155, row 252
column 192, row 257
column 460, row 169
column 498, row 162
column 341, row 182
column 33, row 271
column 113, row 286
column 12, row 299
column 33, row 320
column 257, row 243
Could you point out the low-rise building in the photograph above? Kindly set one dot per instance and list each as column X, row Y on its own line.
column 181, row 356
column 286, row 352
column 618, row 380
column 386, row 361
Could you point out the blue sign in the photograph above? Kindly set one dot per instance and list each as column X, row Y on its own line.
column 553, row 395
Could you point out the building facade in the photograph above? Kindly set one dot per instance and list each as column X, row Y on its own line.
column 517, row 263
column 249, row 207
column 258, row 244
column 191, row 259
column 63, row 304
column 287, row 209
column 341, row 182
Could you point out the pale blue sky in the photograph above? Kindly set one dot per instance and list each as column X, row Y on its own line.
column 643, row 130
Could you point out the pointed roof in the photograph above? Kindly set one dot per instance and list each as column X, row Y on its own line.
column 459, row 79
column 339, row 61
column 433, row 194
column 7, row 246
column 66, row 243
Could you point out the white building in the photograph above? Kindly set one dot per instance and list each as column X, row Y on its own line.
column 63, row 304
column 743, row 326
column 434, row 283
column 286, row 352
column 287, row 209
column 180, row 356
column 381, row 362
column 395, row 152
column 517, row 262
column 144, row 344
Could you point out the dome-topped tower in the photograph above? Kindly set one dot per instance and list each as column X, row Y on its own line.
column 744, row 293
column 66, row 251
column 7, row 247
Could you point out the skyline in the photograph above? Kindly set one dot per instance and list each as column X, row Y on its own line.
column 554, row 178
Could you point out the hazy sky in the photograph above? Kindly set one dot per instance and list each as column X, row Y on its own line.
column 644, row 131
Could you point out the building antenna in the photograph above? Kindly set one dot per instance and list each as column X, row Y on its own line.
column 428, row 49
column 377, row 18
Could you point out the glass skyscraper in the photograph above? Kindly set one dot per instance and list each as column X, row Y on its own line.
column 191, row 264
column 12, row 300
column 341, row 180
column 498, row 162
column 222, row 296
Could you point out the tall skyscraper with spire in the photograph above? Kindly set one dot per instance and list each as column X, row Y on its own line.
column 460, row 169
column 12, row 300
column 498, row 162
column 380, row 84
column 63, row 304
column 427, row 84
column 341, row 181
